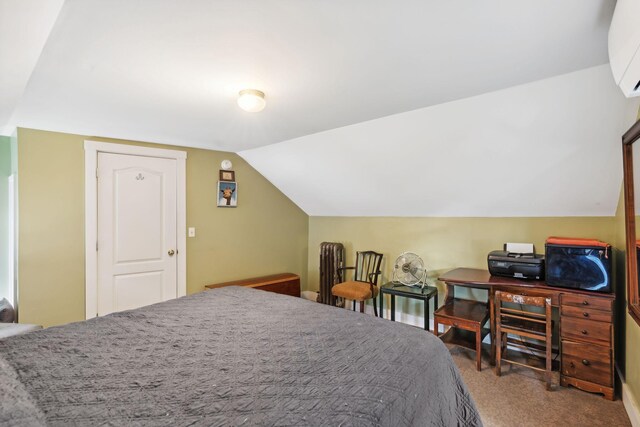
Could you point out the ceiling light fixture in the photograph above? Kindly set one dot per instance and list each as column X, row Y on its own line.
column 251, row 100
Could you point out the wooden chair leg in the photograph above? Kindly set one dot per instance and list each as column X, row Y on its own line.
column 375, row 308
column 362, row 306
column 498, row 350
column 549, row 361
column 479, row 349
column 548, row 340
column 354, row 305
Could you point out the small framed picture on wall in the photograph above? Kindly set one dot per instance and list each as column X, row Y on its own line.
column 227, row 194
column 227, row 175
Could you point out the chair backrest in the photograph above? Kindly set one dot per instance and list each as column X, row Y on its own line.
column 367, row 267
column 522, row 313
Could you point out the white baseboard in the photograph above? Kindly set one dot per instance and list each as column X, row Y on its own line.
column 630, row 405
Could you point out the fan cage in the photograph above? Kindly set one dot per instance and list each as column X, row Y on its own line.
column 402, row 271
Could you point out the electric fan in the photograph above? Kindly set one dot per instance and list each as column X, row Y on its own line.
column 409, row 270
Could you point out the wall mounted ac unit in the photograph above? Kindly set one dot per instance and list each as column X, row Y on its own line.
column 624, row 46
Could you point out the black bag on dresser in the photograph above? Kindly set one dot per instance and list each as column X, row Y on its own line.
column 578, row 263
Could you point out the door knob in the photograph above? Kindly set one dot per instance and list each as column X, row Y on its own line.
column 171, row 252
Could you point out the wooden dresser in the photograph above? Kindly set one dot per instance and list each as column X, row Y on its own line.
column 586, row 325
column 586, row 334
column 283, row 283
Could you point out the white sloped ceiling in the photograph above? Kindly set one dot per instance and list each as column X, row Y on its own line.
column 547, row 148
column 24, row 29
column 169, row 71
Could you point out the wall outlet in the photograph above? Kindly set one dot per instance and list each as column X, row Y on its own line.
column 192, row 232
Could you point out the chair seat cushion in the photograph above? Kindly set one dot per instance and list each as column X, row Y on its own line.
column 358, row 291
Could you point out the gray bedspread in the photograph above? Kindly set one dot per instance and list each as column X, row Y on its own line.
column 232, row 356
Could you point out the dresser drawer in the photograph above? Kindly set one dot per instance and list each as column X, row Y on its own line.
column 586, row 301
column 587, row 362
column 584, row 329
column 586, row 313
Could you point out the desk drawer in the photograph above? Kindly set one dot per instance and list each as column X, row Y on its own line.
column 585, row 330
column 586, row 301
column 586, row 313
column 458, row 323
column 587, row 362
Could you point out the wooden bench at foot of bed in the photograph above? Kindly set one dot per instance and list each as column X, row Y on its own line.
column 283, row 283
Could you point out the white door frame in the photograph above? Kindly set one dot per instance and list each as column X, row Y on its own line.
column 91, row 150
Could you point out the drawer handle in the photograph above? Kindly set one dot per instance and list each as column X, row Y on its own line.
column 585, row 302
column 585, row 362
column 584, row 332
column 585, row 314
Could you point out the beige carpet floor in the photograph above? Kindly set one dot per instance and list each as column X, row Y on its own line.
column 519, row 398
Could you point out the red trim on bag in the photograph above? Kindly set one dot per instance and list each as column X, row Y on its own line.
column 575, row 241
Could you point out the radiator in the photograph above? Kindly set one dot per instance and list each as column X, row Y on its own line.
column 331, row 258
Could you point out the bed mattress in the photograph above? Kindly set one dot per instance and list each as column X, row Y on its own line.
column 232, row 356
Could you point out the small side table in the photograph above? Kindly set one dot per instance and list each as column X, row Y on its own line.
column 415, row 292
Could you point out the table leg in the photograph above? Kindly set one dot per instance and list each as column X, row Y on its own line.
column 393, row 308
column 435, row 304
column 426, row 314
column 479, row 349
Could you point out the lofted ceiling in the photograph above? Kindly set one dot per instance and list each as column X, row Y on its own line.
column 374, row 107
column 168, row 71
column 24, row 29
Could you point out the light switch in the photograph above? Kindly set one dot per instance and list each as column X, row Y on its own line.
column 192, row 232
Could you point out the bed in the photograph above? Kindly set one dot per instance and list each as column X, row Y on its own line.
column 232, row 356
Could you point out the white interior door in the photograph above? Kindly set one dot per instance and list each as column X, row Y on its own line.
column 137, row 262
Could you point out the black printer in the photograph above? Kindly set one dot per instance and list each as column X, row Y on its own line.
column 521, row 266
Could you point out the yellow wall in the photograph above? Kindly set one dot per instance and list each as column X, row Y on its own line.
column 443, row 243
column 265, row 234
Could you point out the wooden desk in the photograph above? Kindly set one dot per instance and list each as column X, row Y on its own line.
column 283, row 283
column 586, row 325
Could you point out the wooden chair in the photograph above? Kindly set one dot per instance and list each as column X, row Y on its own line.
column 364, row 285
column 525, row 324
